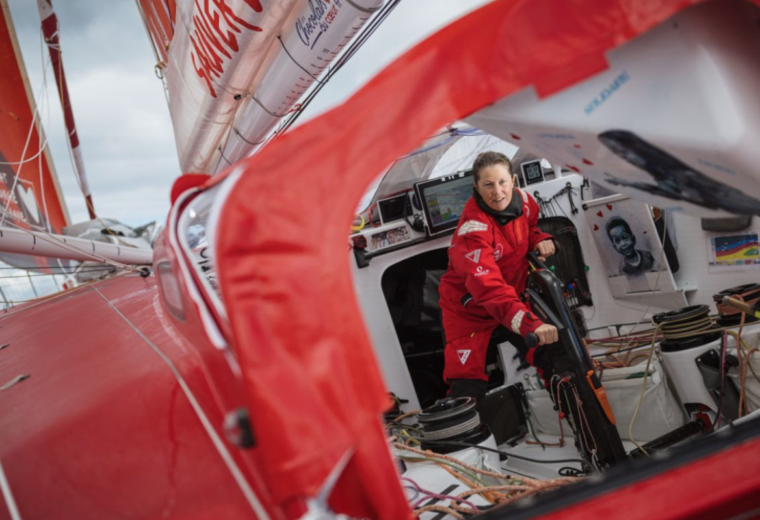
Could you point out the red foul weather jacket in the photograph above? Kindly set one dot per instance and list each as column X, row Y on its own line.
column 488, row 269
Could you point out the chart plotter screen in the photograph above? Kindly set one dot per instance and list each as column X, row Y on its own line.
column 443, row 200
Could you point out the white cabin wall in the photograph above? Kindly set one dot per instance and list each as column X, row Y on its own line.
column 607, row 309
column 692, row 252
column 693, row 245
column 369, row 292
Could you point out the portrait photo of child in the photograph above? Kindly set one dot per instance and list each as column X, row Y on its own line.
column 628, row 243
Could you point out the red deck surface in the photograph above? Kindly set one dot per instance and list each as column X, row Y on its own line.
column 102, row 429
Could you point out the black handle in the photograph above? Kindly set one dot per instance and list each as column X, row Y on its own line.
column 531, row 340
column 538, row 264
column 535, row 262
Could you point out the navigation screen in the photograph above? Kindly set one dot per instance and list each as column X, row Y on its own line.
column 532, row 171
column 443, row 200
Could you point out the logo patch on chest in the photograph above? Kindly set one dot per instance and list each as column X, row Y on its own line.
column 497, row 252
column 463, row 355
column 474, row 256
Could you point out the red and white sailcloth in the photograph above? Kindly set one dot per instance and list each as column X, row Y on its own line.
column 235, row 68
column 50, row 32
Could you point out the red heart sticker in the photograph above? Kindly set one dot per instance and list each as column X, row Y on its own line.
column 644, row 232
column 586, row 161
column 596, row 228
column 599, row 213
column 609, row 207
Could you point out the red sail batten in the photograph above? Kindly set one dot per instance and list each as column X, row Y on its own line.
column 50, row 33
column 160, row 18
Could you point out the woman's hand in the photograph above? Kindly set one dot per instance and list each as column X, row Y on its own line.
column 545, row 249
column 547, row 334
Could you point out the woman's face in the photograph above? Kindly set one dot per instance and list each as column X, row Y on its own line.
column 495, row 186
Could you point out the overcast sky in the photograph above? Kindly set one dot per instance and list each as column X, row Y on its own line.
column 119, row 104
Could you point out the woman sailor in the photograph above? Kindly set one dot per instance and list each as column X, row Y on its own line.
column 488, row 270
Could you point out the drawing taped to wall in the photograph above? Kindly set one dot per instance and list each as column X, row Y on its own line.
column 628, row 243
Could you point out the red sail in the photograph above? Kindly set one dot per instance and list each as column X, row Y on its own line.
column 29, row 190
column 303, row 348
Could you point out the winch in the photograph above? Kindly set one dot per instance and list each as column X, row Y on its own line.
column 452, row 419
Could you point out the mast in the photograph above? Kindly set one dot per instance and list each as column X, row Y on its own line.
column 50, row 32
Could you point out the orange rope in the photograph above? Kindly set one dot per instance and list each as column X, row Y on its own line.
column 440, row 509
column 469, row 482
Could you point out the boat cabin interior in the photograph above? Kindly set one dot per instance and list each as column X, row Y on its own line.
column 673, row 360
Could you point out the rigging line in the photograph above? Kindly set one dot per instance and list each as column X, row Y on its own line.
column 368, row 10
column 643, row 391
column 42, row 147
column 265, row 109
column 246, row 140
column 77, row 175
column 238, row 98
column 282, row 44
column 32, row 126
column 51, row 297
column 35, row 156
column 349, row 52
column 43, row 88
column 150, row 36
column 86, row 268
column 46, row 98
column 10, row 502
column 446, row 141
column 371, row 28
column 225, row 455
column 30, row 274
column 463, row 163
column 502, row 452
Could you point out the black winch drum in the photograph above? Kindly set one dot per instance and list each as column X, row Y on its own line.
column 751, row 291
column 684, row 317
column 453, row 420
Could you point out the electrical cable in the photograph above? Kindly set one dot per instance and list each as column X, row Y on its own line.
column 641, row 396
column 505, row 453
column 431, row 494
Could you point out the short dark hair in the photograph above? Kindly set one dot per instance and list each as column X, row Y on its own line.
column 486, row 159
column 617, row 222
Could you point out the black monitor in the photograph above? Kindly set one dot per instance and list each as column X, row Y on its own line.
column 443, row 200
column 394, row 208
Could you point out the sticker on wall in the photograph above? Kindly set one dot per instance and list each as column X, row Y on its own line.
column 733, row 252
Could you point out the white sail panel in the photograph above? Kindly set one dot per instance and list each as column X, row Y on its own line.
column 236, row 67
